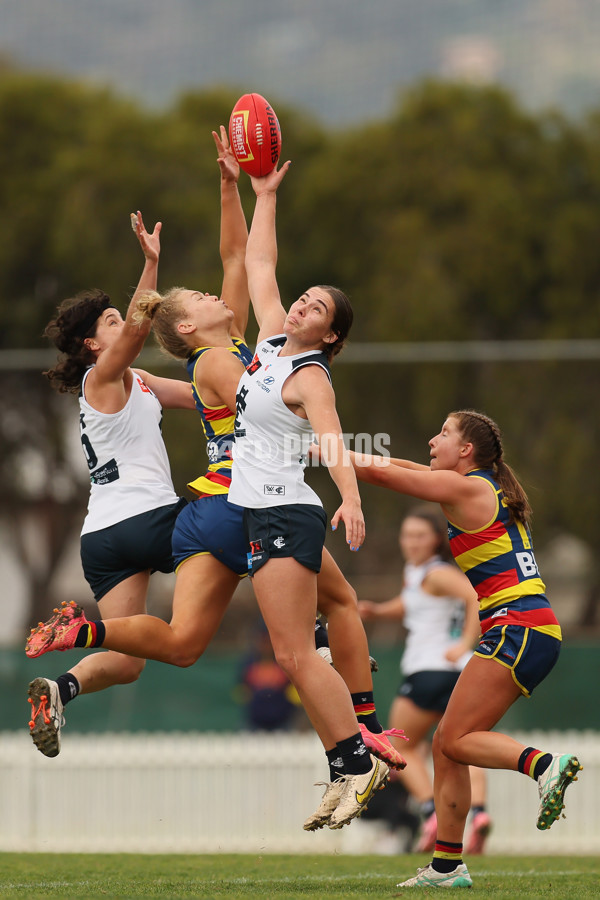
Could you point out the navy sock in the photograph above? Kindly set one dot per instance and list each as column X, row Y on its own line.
column 446, row 856
column 364, row 707
column 356, row 757
column 68, row 687
column 336, row 764
column 91, row 635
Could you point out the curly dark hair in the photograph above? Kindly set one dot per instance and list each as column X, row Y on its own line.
column 76, row 320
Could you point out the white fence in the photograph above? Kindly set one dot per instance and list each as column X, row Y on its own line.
column 165, row 793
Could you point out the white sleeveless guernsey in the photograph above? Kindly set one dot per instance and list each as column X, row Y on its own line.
column 433, row 624
column 126, row 455
column 271, row 442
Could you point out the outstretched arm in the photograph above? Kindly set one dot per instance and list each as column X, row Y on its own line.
column 234, row 236
column 389, row 609
column 261, row 255
column 172, row 393
column 413, row 479
column 114, row 362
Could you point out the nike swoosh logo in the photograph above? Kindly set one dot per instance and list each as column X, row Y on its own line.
column 362, row 798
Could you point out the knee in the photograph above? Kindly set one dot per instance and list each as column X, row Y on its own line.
column 445, row 744
column 344, row 600
column 290, row 658
column 131, row 669
column 185, row 652
column 185, row 657
column 286, row 659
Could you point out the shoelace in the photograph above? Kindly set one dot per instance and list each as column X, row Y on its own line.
column 42, row 708
column 396, row 732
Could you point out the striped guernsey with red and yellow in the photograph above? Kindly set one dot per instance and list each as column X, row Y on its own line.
column 499, row 562
column 217, row 423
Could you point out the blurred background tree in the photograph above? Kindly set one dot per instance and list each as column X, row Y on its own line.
column 461, row 217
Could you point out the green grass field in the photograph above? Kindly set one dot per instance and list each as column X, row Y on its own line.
column 88, row 876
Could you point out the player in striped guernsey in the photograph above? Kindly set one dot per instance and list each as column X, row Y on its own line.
column 488, row 519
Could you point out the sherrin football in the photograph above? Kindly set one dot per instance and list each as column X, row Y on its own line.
column 255, row 135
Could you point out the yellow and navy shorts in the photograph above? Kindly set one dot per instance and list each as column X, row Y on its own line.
column 529, row 654
column 294, row 530
column 212, row 525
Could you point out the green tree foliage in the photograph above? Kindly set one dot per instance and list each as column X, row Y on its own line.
column 461, row 217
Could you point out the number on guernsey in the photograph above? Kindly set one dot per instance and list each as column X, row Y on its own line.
column 528, row 564
column 88, row 450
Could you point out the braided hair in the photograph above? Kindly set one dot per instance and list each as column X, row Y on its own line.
column 488, row 453
column 76, row 320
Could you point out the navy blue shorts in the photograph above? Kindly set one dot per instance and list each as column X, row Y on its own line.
column 137, row 544
column 429, row 690
column 293, row 530
column 530, row 655
column 212, row 525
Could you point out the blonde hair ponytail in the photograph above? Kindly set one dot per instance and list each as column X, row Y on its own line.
column 165, row 311
column 146, row 306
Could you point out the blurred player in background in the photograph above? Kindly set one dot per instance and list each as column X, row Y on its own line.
column 438, row 608
column 488, row 515
column 269, row 699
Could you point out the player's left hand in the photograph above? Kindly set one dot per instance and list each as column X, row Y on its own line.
column 350, row 513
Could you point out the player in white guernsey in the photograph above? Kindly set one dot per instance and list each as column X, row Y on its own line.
column 283, row 397
column 133, row 506
column 439, row 611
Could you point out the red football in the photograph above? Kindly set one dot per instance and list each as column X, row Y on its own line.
column 255, row 135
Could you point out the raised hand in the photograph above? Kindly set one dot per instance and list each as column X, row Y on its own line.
column 228, row 164
column 150, row 243
column 268, row 184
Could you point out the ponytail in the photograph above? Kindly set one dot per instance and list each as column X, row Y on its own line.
column 165, row 312
column 488, row 453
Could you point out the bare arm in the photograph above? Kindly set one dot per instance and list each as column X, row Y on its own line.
column 444, row 487
column 172, row 393
column 234, row 236
column 389, row 609
column 310, row 389
column 105, row 387
column 364, row 460
column 261, row 256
